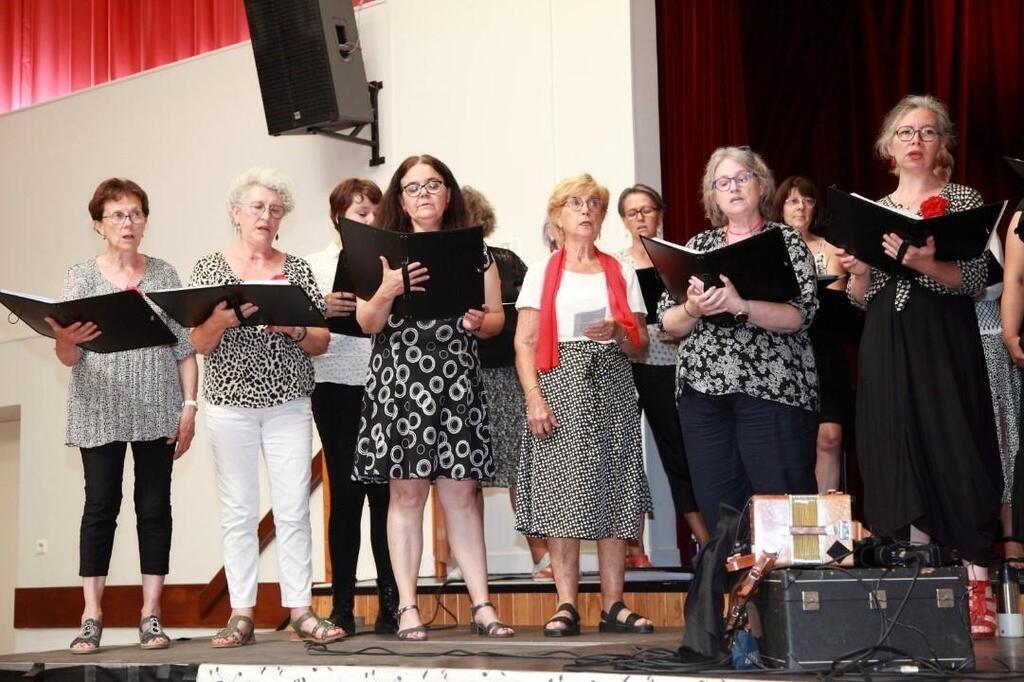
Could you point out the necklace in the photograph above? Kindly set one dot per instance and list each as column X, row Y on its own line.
column 744, row 233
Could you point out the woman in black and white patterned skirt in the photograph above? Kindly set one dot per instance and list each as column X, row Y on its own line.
column 581, row 472
column 424, row 414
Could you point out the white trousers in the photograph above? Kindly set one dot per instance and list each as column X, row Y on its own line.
column 285, row 435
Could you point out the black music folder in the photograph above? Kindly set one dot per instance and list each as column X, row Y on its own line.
column 125, row 319
column 279, row 303
column 759, row 266
column 454, row 260
column 1016, row 164
column 857, row 225
column 347, row 324
column 652, row 288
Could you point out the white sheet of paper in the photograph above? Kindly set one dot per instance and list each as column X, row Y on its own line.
column 584, row 319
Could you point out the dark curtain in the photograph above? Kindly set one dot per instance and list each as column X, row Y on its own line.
column 703, row 104
column 814, row 80
column 50, row 48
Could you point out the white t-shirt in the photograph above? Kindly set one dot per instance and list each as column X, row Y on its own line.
column 347, row 357
column 578, row 293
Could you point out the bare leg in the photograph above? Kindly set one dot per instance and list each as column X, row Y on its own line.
column 152, row 587
column 1011, row 548
column 828, row 464
column 405, row 542
column 538, row 546
column 565, row 560
column 466, row 539
column 92, row 590
column 612, row 567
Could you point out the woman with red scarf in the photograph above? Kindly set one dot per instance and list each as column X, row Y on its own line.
column 926, row 438
column 581, row 474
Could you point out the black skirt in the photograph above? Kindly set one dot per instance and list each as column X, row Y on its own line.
column 926, row 437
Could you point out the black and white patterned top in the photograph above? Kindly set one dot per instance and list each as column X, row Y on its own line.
column 250, row 368
column 134, row 395
column 975, row 271
column 717, row 360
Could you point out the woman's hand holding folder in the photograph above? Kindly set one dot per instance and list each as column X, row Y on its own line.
column 340, row 304
column 70, row 336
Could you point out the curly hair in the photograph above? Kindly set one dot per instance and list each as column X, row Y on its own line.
column 261, row 176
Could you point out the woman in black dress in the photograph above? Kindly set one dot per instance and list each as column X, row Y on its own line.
column 424, row 414
column 796, row 204
column 926, row 435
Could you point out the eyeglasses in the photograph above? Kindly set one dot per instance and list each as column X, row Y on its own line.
column 797, row 201
column 645, row 211
column 414, row 189
column 258, row 208
column 119, row 217
column 576, row 204
column 724, row 183
column 906, row 133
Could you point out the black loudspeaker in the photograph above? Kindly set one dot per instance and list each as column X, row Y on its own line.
column 309, row 63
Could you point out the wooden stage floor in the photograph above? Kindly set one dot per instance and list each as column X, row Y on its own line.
column 450, row 656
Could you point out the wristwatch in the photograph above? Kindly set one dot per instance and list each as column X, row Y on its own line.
column 744, row 314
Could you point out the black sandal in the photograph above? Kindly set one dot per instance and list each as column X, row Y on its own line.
column 610, row 621
column 572, row 625
column 406, row 635
column 91, row 632
column 492, row 628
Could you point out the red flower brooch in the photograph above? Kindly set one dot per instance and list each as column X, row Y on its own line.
column 934, row 206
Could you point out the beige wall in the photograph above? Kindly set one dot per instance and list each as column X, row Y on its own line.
column 512, row 94
column 9, row 452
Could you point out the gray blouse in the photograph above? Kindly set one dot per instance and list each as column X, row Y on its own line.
column 133, row 395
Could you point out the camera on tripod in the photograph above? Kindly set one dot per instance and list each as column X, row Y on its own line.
column 880, row 552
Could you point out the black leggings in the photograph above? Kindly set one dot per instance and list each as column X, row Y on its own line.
column 336, row 410
column 656, row 386
column 104, row 468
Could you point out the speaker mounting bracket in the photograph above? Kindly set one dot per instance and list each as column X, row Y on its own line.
column 353, row 133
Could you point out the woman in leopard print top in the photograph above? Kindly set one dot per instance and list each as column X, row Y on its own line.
column 258, row 382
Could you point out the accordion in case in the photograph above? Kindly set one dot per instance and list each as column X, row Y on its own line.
column 804, row 530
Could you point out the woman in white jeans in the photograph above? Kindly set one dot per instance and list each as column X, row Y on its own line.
column 257, row 386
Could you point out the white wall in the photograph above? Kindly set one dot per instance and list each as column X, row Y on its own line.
column 9, row 452
column 512, row 94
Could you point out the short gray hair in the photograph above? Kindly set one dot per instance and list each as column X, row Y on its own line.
column 261, row 176
column 750, row 160
column 947, row 138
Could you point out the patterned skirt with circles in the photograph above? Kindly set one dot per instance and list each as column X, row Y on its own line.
column 586, row 480
column 424, row 413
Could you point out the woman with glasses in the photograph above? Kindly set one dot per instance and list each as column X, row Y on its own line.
column 581, row 471
column 796, row 205
column 746, row 382
column 336, row 401
column 258, row 382
column 144, row 397
column 424, row 414
column 926, row 437
column 641, row 209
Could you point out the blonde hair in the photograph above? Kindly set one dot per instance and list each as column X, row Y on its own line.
column 750, row 160
column 573, row 186
column 947, row 138
column 478, row 209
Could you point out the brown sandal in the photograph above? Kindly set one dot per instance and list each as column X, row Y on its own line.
column 491, row 629
column 234, row 635
column 320, row 629
column 406, row 635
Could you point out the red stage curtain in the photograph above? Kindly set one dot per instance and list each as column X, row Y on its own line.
column 815, row 80
column 703, row 105
column 51, row 48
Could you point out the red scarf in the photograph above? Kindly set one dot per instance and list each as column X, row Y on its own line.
column 547, row 344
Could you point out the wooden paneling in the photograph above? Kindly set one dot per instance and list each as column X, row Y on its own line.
column 527, row 608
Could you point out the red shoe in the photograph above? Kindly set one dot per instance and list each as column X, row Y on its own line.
column 983, row 609
column 639, row 561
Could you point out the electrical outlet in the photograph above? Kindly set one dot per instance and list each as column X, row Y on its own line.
column 41, row 546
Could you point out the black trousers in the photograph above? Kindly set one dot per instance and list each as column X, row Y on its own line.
column 104, row 469
column 336, row 411
column 739, row 445
column 656, row 386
